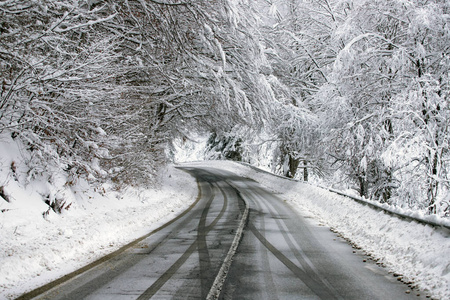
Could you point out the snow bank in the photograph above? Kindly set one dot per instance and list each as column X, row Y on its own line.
column 36, row 250
column 420, row 253
column 434, row 220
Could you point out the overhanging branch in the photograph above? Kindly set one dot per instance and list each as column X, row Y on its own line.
column 169, row 4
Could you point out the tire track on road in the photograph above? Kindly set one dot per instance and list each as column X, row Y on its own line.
column 268, row 277
column 200, row 245
column 312, row 283
column 302, row 257
column 206, row 272
column 306, row 272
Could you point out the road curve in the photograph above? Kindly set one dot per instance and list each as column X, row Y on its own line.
column 281, row 255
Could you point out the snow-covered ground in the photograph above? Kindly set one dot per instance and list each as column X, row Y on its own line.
column 37, row 250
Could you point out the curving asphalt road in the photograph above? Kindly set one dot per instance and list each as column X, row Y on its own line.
column 281, row 255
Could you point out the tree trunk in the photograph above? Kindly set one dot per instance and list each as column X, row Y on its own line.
column 305, row 171
column 293, row 166
column 432, row 185
column 363, row 186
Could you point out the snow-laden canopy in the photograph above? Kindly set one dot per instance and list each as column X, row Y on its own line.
column 355, row 92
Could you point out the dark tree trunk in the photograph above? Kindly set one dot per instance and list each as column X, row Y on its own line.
column 363, row 187
column 293, row 166
column 433, row 186
column 305, row 171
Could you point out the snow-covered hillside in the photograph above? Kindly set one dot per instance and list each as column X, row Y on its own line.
column 39, row 245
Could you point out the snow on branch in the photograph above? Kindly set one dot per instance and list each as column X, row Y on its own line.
column 93, row 22
column 169, row 4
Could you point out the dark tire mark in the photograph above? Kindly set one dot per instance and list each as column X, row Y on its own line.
column 224, row 207
column 200, row 245
column 154, row 288
column 268, row 277
column 315, row 286
column 206, row 272
column 202, row 249
column 217, row 286
column 306, row 273
column 302, row 258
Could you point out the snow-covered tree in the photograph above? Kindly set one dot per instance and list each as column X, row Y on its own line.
column 298, row 41
column 100, row 87
column 387, row 93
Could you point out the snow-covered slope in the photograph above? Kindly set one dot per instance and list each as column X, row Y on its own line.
column 36, row 250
